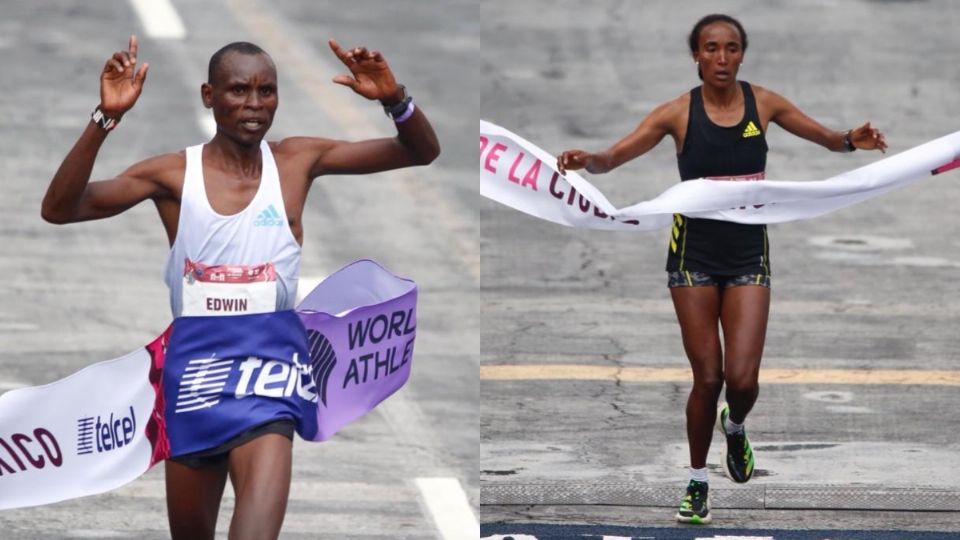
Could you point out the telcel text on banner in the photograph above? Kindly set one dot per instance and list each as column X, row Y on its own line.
column 346, row 348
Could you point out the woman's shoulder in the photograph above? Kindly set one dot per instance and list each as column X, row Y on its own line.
column 766, row 98
column 675, row 106
column 762, row 92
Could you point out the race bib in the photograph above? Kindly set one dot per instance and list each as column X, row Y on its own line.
column 739, row 178
column 228, row 289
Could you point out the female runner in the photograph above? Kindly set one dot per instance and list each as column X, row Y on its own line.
column 719, row 272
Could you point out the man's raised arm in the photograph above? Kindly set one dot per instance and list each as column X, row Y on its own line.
column 69, row 198
column 415, row 143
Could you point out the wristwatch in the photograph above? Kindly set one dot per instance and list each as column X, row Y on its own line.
column 105, row 122
column 396, row 110
column 847, row 143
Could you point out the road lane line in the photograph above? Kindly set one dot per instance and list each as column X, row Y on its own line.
column 630, row 307
column 669, row 374
column 159, row 18
column 448, row 504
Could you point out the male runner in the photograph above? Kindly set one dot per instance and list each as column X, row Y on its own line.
column 233, row 203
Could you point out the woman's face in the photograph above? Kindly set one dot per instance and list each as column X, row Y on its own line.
column 720, row 53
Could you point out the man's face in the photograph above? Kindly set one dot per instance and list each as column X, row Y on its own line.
column 243, row 96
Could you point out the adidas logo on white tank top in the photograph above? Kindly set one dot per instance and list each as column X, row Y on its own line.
column 268, row 218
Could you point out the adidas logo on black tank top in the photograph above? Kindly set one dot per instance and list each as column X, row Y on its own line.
column 751, row 130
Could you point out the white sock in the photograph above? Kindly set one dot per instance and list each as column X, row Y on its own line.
column 700, row 475
column 731, row 427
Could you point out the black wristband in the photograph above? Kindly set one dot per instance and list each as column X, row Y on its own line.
column 847, row 143
column 400, row 107
column 105, row 122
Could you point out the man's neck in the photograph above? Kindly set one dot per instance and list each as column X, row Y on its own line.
column 229, row 155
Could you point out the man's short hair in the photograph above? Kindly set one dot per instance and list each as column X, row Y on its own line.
column 241, row 47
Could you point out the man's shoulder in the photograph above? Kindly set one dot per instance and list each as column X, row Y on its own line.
column 169, row 160
column 165, row 169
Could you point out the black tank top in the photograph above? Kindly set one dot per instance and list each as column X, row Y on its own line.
column 723, row 153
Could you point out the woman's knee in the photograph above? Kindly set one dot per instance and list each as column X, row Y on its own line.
column 742, row 383
column 708, row 384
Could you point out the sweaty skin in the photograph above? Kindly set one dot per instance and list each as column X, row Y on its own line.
column 243, row 96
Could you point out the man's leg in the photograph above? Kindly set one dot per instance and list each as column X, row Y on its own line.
column 193, row 499
column 260, row 474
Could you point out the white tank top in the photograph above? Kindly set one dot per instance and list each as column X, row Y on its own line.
column 248, row 262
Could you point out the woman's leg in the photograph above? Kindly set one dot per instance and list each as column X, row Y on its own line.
column 743, row 314
column 260, row 473
column 193, row 499
column 698, row 311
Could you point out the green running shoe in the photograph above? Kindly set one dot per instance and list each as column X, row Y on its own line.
column 736, row 455
column 695, row 506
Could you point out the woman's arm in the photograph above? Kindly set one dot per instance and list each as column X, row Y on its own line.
column 661, row 122
column 778, row 109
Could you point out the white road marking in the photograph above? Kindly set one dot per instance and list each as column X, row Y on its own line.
column 830, row 396
column 873, row 259
column 926, row 262
column 450, row 509
column 159, row 18
column 850, row 409
column 861, row 242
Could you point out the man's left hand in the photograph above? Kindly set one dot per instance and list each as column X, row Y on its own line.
column 370, row 76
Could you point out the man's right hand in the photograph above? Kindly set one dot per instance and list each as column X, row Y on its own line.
column 121, row 82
